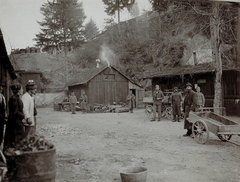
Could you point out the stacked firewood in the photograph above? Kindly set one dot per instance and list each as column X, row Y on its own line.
column 34, row 143
column 31, row 144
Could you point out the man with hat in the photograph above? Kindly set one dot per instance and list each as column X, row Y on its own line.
column 190, row 103
column 29, row 107
column 176, row 100
column 3, row 111
column 157, row 103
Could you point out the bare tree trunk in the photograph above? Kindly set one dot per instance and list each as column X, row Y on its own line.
column 118, row 11
column 216, row 54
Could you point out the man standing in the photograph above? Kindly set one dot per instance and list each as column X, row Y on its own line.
column 3, row 111
column 157, row 103
column 190, row 103
column 84, row 101
column 131, row 100
column 200, row 98
column 176, row 104
column 28, row 108
column 73, row 102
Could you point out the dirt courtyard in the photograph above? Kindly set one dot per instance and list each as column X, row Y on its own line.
column 94, row 147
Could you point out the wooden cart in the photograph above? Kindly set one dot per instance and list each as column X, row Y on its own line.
column 205, row 122
column 166, row 107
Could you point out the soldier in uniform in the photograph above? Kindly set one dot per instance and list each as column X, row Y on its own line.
column 176, row 100
column 84, row 101
column 73, row 102
column 157, row 103
column 131, row 101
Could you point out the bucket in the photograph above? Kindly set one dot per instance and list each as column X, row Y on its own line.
column 134, row 174
column 39, row 166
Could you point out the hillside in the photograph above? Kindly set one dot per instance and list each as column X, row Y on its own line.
column 152, row 42
column 51, row 67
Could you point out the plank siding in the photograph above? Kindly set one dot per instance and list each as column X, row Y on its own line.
column 106, row 90
column 231, row 87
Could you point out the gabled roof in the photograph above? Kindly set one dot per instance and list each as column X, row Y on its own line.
column 4, row 57
column 85, row 76
column 184, row 70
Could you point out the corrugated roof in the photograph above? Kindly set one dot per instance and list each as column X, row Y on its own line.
column 183, row 70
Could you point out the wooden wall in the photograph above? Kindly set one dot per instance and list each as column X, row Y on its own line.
column 231, row 88
column 105, row 88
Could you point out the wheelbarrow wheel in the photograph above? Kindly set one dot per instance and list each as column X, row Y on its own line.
column 224, row 138
column 200, row 131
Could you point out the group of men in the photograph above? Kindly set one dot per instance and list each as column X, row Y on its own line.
column 27, row 112
column 83, row 102
column 190, row 101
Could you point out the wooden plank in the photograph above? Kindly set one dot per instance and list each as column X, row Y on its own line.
column 229, row 128
column 221, row 119
column 229, row 133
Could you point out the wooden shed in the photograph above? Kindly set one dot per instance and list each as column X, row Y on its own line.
column 202, row 75
column 105, row 85
column 31, row 75
column 7, row 73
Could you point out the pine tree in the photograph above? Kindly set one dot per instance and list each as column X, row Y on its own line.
column 91, row 30
column 62, row 26
column 117, row 5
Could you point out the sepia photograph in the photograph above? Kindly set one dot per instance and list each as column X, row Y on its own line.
column 119, row 91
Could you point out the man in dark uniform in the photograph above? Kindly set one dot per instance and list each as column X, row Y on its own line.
column 176, row 100
column 189, row 104
column 3, row 111
column 157, row 103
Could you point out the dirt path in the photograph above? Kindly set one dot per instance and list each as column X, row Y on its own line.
column 94, row 147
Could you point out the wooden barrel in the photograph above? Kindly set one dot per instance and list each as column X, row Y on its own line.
column 39, row 166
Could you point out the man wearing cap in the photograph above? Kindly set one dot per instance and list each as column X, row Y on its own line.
column 28, row 108
column 190, row 103
column 176, row 100
column 200, row 98
column 157, row 103
column 73, row 102
column 3, row 111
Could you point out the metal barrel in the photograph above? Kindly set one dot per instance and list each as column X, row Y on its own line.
column 39, row 166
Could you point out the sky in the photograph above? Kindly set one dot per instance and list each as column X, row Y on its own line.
column 18, row 19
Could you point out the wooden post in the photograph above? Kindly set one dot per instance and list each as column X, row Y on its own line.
column 238, row 36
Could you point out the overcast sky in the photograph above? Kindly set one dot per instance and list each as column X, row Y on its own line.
column 18, row 19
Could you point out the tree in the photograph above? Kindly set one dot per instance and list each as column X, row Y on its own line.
column 109, row 22
column 62, row 25
column 135, row 10
column 91, row 30
column 117, row 5
column 160, row 5
column 221, row 17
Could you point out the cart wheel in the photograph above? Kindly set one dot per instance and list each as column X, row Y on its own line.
column 169, row 113
column 200, row 131
column 65, row 108
column 224, row 138
column 149, row 111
